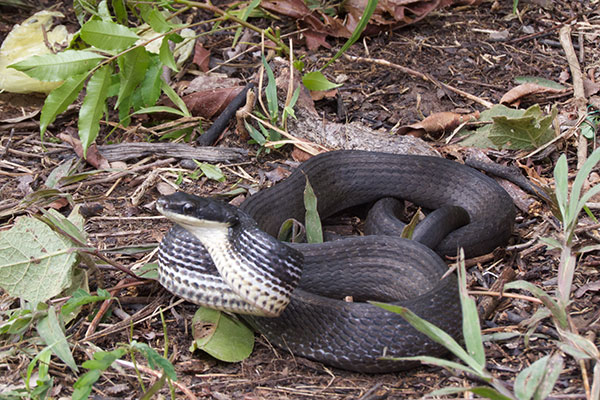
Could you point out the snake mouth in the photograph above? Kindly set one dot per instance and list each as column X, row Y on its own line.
column 193, row 211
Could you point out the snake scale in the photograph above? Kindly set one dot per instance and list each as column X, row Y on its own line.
column 317, row 323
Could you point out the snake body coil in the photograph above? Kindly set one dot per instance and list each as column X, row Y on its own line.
column 316, row 323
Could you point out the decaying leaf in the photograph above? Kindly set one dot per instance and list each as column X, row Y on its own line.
column 517, row 93
column 531, row 130
column 93, row 156
column 437, row 123
column 201, row 57
column 208, row 103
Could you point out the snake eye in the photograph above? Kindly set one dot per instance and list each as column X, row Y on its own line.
column 188, row 208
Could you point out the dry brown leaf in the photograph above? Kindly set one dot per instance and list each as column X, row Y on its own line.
column 526, row 89
column 437, row 123
column 300, row 155
column 322, row 94
column 315, row 39
column 93, row 156
column 212, row 102
column 201, row 57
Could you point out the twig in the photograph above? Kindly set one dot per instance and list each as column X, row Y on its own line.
column 425, row 77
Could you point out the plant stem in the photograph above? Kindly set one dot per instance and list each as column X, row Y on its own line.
column 209, row 7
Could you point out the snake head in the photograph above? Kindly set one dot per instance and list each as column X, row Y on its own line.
column 188, row 209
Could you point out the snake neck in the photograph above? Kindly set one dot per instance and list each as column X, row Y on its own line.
column 257, row 267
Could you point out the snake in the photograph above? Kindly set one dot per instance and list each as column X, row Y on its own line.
column 228, row 258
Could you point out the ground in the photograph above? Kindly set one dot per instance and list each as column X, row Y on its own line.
column 455, row 46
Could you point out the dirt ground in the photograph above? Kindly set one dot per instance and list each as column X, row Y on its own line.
column 456, row 46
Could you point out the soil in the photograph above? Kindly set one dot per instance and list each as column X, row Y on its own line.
column 455, row 46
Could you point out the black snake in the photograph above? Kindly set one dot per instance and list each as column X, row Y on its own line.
column 317, row 323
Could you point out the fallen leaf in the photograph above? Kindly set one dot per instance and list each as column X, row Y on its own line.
column 300, row 155
column 527, row 89
column 94, row 157
column 323, row 94
column 212, row 102
column 211, row 81
column 590, row 87
column 201, row 57
column 593, row 286
column 316, row 39
column 437, row 123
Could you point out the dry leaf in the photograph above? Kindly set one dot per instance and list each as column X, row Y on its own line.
column 437, row 123
column 210, row 102
column 526, row 89
column 201, row 57
column 93, row 156
column 300, row 155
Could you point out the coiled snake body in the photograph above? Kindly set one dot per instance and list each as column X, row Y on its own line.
column 317, row 323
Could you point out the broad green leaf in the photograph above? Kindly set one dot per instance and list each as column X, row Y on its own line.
column 155, row 360
column 572, row 351
column 557, row 311
column 434, row 333
column 148, row 271
column 360, row 27
column 312, row 221
column 581, row 343
column 52, row 333
column 132, row 68
column 254, row 134
column 480, row 138
column 107, row 35
column 120, row 10
column 471, row 328
column 150, row 86
column 43, row 360
column 93, row 107
column 36, row 263
column 102, row 360
column 79, row 298
column 212, row 172
column 530, row 131
column 316, row 81
column 83, row 385
column 528, row 380
column 59, row 67
column 271, row 91
column 52, row 181
column 59, row 99
column 220, row 336
column 70, row 227
column 155, row 19
column 166, row 55
column 539, row 81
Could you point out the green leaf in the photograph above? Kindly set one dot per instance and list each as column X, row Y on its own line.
column 36, row 263
column 53, row 335
column 528, row 380
column 550, row 242
column 166, row 55
column 557, row 311
column 174, row 97
column 577, row 203
column 244, row 17
column 120, row 10
column 212, row 172
column 532, row 130
column 581, row 343
column 471, row 327
column 79, row 298
column 316, row 81
column 435, row 334
column 83, row 385
column 291, row 231
column 155, row 19
column 314, row 230
column 489, row 393
column 107, row 35
column 59, row 99
column 553, row 370
column 150, row 86
column 156, row 109
column 102, row 360
column 271, row 92
column 93, row 106
column 58, row 67
column 155, row 360
column 288, row 110
column 220, row 336
column 561, row 182
column 132, row 69
column 539, row 81
column 439, row 362
column 360, row 27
